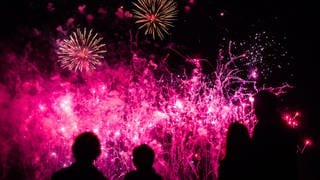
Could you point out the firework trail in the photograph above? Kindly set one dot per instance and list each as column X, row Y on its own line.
column 155, row 16
column 183, row 117
column 83, row 50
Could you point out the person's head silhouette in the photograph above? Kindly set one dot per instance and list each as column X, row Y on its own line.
column 86, row 148
column 265, row 105
column 238, row 139
column 143, row 157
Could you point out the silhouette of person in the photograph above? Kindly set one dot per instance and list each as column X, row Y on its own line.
column 86, row 149
column 143, row 158
column 274, row 142
column 235, row 164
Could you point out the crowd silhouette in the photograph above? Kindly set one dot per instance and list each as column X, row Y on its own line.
column 143, row 158
column 86, row 149
column 274, row 142
column 269, row 154
column 236, row 163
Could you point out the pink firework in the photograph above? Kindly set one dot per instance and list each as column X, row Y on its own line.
column 292, row 119
column 83, row 50
column 183, row 119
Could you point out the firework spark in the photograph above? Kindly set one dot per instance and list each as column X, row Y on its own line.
column 83, row 50
column 183, row 117
column 155, row 16
column 292, row 119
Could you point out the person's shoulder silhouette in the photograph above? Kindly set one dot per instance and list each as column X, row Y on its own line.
column 270, row 124
column 235, row 164
column 266, row 107
column 275, row 143
column 143, row 158
column 86, row 149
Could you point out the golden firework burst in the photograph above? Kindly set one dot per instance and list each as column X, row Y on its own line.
column 155, row 16
column 82, row 50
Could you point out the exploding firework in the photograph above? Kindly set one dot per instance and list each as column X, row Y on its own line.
column 155, row 16
column 183, row 117
column 83, row 50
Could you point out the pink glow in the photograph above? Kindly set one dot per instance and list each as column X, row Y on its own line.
column 126, row 105
column 42, row 107
column 178, row 104
column 244, row 55
column 152, row 18
column 292, row 119
column 90, row 18
column 102, row 11
column 50, row 6
column 65, row 104
column 307, row 142
column 82, row 8
column 192, row 1
column 187, row 8
column 254, row 74
column 122, row 14
column 60, row 29
column 70, row 22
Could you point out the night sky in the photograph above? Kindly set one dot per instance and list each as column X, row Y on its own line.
column 200, row 31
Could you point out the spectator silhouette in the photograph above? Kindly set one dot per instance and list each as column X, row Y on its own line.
column 274, row 142
column 143, row 158
column 235, row 165
column 86, row 149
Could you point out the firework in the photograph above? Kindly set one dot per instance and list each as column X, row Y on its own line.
column 83, row 50
column 292, row 119
column 306, row 144
column 155, row 16
column 184, row 120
